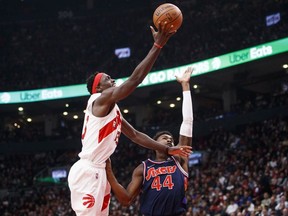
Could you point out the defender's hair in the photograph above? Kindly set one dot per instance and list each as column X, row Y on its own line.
column 90, row 81
column 160, row 133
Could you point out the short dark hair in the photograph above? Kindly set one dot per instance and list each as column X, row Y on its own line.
column 90, row 81
column 160, row 133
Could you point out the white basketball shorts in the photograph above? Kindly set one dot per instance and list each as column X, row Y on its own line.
column 90, row 190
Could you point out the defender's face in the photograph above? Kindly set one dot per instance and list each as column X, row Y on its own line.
column 166, row 140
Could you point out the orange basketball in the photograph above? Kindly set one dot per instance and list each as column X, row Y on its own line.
column 170, row 13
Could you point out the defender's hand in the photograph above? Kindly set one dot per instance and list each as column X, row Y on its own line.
column 185, row 76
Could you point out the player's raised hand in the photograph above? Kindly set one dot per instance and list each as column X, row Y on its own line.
column 183, row 151
column 163, row 34
column 185, row 76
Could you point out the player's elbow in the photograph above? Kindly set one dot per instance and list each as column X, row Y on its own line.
column 126, row 201
column 134, row 136
column 126, row 204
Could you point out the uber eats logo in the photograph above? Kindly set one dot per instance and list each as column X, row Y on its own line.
column 41, row 95
column 250, row 54
column 260, row 52
column 238, row 57
column 29, row 96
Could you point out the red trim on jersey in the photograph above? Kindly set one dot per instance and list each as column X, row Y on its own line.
column 109, row 127
column 96, row 81
column 105, row 202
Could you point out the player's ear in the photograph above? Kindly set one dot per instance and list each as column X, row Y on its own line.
column 99, row 89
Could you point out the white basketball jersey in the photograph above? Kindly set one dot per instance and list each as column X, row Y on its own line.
column 100, row 135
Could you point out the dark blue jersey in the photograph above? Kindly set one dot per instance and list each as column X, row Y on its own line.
column 163, row 189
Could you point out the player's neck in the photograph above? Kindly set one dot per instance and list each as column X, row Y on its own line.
column 161, row 157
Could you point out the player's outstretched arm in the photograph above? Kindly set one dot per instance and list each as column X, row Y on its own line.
column 140, row 72
column 147, row 142
column 186, row 129
column 125, row 196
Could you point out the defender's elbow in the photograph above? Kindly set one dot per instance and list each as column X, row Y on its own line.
column 126, row 202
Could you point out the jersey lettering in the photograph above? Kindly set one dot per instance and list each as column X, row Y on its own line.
column 156, row 184
column 168, row 182
column 152, row 172
column 117, row 137
column 85, row 128
column 109, row 127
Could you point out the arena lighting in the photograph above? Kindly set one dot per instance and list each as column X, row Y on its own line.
column 20, row 109
column 159, row 102
column 202, row 67
column 172, row 105
column 178, row 98
column 126, row 111
column 285, row 66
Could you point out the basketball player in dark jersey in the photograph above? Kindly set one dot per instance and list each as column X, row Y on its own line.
column 161, row 182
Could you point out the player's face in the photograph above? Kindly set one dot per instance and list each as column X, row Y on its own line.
column 166, row 140
column 107, row 82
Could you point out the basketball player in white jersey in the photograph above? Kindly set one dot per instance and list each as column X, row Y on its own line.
column 103, row 124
